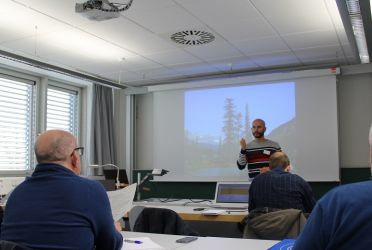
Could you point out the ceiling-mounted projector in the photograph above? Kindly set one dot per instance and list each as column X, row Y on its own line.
column 100, row 10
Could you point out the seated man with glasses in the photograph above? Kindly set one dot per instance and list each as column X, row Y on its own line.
column 57, row 209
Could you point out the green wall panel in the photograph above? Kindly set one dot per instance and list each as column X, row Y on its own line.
column 206, row 190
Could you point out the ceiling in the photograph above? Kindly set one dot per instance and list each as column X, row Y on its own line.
column 135, row 49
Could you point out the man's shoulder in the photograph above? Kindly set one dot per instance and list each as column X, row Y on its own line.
column 261, row 176
column 363, row 187
column 352, row 194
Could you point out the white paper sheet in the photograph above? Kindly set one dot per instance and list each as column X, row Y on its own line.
column 213, row 212
column 121, row 200
column 146, row 244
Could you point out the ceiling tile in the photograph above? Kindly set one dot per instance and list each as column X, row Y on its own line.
column 139, row 63
column 212, row 11
column 293, row 16
column 166, row 18
column 128, row 35
column 243, row 29
column 173, row 57
column 213, row 51
column 275, row 59
column 320, row 54
column 311, row 39
column 64, row 11
column 261, row 45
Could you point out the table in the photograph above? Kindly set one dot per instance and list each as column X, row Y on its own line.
column 168, row 242
column 222, row 225
column 187, row 212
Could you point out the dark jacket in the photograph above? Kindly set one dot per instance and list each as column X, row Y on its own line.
column 56, row 209
column 162, row 221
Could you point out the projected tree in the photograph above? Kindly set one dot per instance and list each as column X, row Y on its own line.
column 247, row 125
column 232, row 130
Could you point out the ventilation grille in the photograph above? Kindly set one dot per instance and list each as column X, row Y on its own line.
column 192, row 37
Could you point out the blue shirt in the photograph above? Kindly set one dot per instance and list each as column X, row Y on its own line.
column 56, row 209
column 341, row 220
column 280, row 189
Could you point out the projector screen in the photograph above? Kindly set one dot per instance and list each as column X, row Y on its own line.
column 196, row 132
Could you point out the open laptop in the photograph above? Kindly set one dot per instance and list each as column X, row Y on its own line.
column 231, row 195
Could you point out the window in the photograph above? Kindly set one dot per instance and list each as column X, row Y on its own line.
column 62, row 109
column 16, row 123
column 30, row 105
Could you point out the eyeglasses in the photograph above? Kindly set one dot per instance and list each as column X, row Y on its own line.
column 79, row 149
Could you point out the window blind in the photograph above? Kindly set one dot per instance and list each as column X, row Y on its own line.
column 16, row 124
column 62, row 110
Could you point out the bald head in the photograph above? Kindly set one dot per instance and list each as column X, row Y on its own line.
column 259, row 121
column 279, row 159
column 54, row 146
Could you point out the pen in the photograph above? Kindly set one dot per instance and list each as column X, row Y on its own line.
column 133, row 241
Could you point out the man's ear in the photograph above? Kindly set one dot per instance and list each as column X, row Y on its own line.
column 74, row 162
column 288, row 168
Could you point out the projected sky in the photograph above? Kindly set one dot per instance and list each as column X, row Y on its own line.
column 204, row 109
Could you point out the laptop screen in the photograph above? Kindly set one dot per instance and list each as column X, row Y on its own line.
column 232, row 192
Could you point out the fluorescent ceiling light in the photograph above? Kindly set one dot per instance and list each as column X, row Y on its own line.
column 358, row 29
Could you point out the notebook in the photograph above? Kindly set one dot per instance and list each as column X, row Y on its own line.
column 231, row 195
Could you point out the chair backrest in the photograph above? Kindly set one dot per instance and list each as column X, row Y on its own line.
column 133, row 215
column 110, row 174
column 162, row 221
column 276, row 225
column 9, row 245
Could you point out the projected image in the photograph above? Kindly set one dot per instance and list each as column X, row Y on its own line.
column 216, row 119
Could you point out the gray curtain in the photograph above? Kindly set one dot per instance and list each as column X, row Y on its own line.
column 102, row 126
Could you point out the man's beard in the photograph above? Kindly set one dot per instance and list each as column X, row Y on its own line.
column 258, row 135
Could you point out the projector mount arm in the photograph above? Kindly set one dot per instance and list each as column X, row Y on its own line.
column 106, row 6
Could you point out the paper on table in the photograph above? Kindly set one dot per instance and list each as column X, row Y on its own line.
column 121, row 200
column 213, row 212
column 147, row 243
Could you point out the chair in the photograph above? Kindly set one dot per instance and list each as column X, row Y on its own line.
column 9, row 245
column 275, row 225
column 162, row 221
column 133, row 215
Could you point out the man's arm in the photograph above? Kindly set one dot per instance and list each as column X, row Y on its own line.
column 107, row 235
column 242, row 160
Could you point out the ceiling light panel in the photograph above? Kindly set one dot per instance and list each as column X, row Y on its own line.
column 358, row 29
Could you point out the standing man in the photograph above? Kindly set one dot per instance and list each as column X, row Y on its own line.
column 57, row 209
column 256, row 153
column 341, row 219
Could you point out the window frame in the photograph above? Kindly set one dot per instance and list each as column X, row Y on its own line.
column 41, row 83
column 32, row 80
